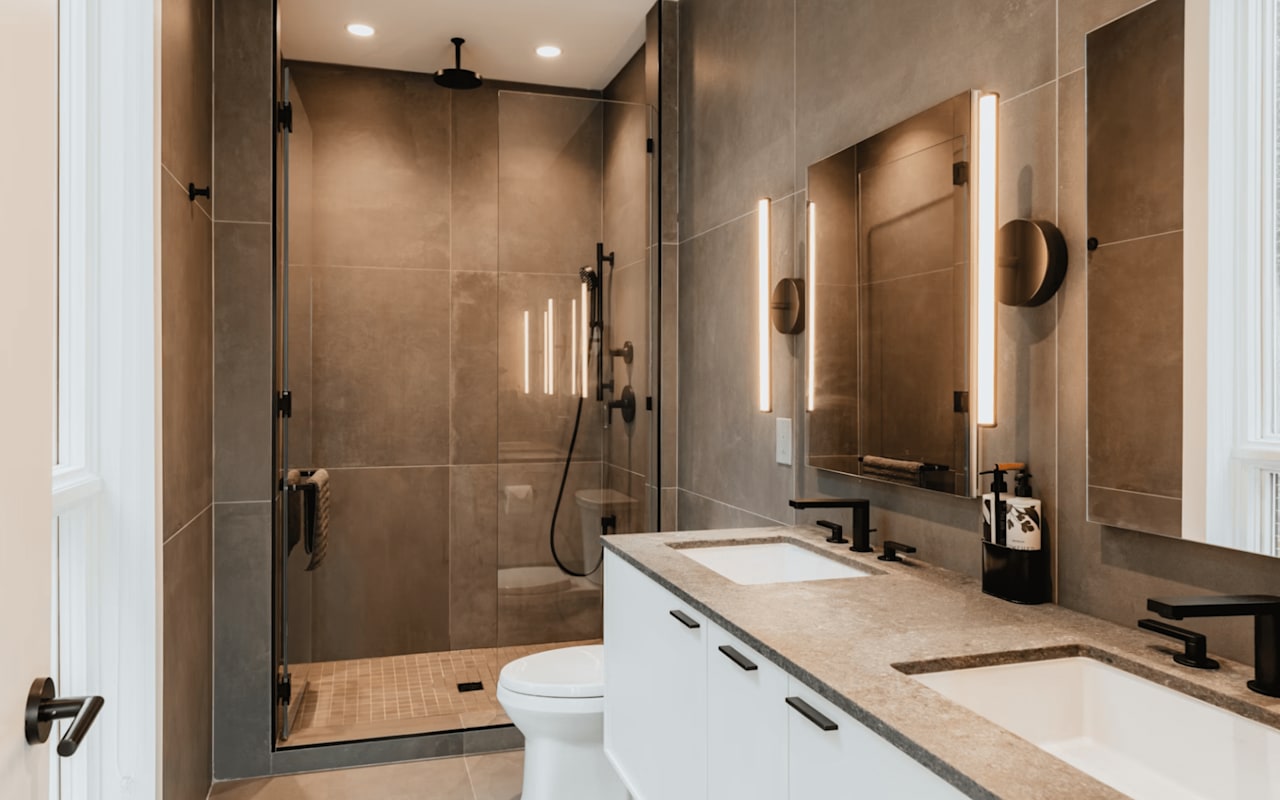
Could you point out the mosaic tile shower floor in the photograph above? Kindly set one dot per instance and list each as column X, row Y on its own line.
column 371, row 698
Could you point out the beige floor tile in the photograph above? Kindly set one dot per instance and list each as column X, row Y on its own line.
column 497, row 776
column 442, row 779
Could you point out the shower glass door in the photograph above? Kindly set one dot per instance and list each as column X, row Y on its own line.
column 435, row 335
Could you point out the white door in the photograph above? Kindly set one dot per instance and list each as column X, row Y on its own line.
column 79, row 567
column 28, row 270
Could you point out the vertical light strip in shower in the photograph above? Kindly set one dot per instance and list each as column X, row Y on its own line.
column 551, row 346
column 573, row 346
column 585, row 334
column 526, row 351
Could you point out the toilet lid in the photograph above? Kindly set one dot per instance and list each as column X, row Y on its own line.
column 566, row 672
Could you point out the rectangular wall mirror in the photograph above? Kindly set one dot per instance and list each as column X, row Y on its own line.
column 890, row 243
column 1183, row 274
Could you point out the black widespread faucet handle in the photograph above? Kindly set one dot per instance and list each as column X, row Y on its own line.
column 891, row 550
column 1196, row 645
column 837, row 532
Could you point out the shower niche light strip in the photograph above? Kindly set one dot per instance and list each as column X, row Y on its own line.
column 526, row 352
column 573, row 346
column 984, row 237
column 584, row 334
column 764, row 364
column 811, row 304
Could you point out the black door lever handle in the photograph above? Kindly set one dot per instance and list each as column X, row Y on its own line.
column 43, row 708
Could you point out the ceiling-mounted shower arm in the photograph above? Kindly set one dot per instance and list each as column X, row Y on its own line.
column 458, row 42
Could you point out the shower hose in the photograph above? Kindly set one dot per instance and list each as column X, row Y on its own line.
column 564, row 477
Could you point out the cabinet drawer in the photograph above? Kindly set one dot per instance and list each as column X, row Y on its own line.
column 746, row 725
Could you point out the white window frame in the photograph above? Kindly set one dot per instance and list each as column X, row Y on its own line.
column 1230, row 447
column 107, row 603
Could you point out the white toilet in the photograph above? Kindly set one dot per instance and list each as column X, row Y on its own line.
column 556, row 699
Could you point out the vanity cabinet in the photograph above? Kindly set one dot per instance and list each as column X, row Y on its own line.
column 848, row 760
column 692, row 713
column 746, row 721
column 655, row 702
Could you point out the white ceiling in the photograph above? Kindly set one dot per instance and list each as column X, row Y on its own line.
column 598, row 37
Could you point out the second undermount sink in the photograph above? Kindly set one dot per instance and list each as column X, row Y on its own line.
column 772, row 562
column 1141, row 738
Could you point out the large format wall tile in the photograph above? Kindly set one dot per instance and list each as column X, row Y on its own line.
column 473, row 340
column 383, row 589
column 381, row 345
column 1077, row 18
column 381, row 144
column 473, row 557
column 737, row 102
column 550, row 151
column 628, row 443
column 187, row 728
column 186, row 337
column 862, row 67
column 243, row 106
column 186, row 91
column 243, row 400
column 1135, row 102
column 475, row 180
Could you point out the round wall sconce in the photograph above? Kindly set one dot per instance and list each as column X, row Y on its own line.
column 1032, row 261
column 786, row 306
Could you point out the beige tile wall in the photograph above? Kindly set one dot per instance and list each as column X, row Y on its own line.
column 768, row 87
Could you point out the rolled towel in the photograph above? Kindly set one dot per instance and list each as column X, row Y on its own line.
column 317, row 541
column 893, row 469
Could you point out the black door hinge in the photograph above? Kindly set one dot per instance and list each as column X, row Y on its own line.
column 284, row 404
column 648, row 145
column 960, row 402
column 648, row 403
column 284, row 116
column 960, row 173
column 284, row 689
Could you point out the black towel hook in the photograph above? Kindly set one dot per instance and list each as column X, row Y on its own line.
column 193, row 192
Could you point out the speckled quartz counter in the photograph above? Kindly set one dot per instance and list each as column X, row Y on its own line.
column 843, row 638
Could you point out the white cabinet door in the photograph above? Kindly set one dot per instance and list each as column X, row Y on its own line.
column 746, row 722
column 655, row 713
column 834, row 756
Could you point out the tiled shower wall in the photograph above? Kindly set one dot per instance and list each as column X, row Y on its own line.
column 767, row 87
column 425, row 223
column 186, row 340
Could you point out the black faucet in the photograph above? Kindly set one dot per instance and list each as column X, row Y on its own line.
column 861, row 517
column 1265, row 610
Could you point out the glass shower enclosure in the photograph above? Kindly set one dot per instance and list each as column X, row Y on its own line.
column 466, row 292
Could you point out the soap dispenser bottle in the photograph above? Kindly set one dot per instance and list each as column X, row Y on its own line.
column 1015, row 555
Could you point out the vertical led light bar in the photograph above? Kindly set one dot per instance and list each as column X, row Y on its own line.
column 584, row 334
column 526, row 352
column 573, row 346
column 811, row 303
column 551, row 346
column 762, row 312
column 984, row 204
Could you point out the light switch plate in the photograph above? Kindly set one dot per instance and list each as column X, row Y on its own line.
column 782, row 442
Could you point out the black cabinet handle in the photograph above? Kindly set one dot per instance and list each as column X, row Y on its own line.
column 812, row 714
column 43, row 708
column 738, row 658
column 685, row 619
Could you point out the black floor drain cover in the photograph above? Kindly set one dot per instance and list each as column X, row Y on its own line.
column 471, row 686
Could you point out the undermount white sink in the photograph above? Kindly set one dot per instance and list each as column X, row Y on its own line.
column 1139, row 737
column 773, row 562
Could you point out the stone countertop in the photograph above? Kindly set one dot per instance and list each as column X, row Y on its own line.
column 843, row 638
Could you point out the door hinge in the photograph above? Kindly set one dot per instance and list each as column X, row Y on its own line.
column 960, row 173
column 648, row 145
column 284, row 404
column 284, row 116
column 960, row 402
column 284, row 689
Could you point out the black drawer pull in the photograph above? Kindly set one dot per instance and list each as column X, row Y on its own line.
column 812, row 714
column 685, row 619
column 738, row 658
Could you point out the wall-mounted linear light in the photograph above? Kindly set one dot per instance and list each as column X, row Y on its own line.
column 573, row 346
column 526, row 352
column 764, row 362
column 551, row 346
column 984, row 257
column 811, row 307
column 584, row 334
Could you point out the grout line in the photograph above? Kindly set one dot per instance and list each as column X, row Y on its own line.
column 730, row 505
column 772, row 201
column 187, row 524
column 1032, row 90
column 1139, row 238
column 239, row 222
column 1129, row 491
column 183, row 187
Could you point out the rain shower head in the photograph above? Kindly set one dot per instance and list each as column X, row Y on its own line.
column 456, row 77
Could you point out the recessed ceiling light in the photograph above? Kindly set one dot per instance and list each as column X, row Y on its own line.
column 360, row 29
column 548, row 51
